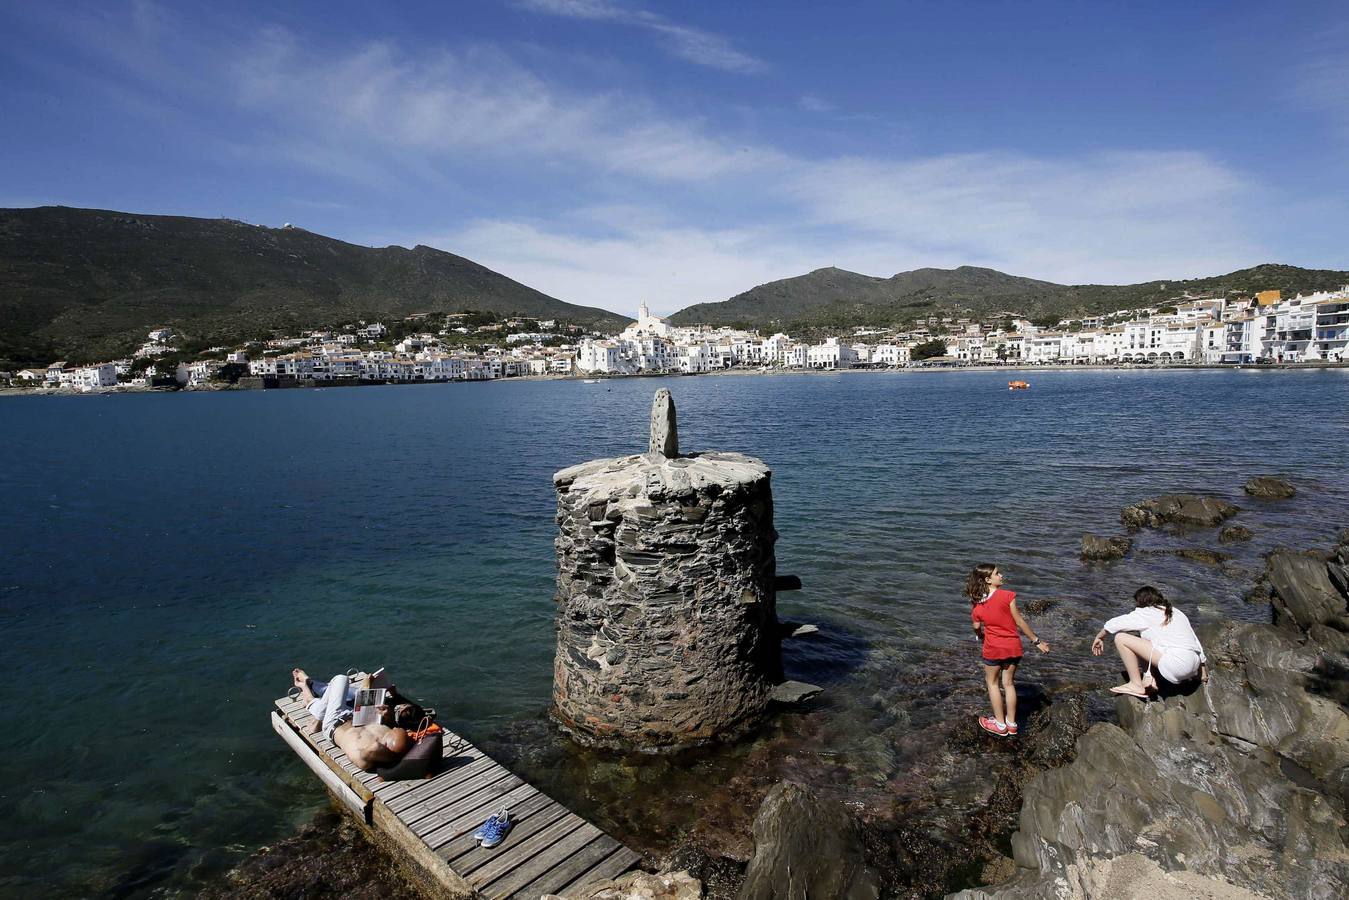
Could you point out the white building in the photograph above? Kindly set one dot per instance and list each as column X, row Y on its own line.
column 197, row 373
column 891, row 354
column 646, row 325
column 92, row 378
column 1045, row 347
column 1330, row 338
column 695, row 359
column 830, row 355
column 601, row 357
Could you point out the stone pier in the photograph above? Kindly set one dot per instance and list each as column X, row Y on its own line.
column 667, row 633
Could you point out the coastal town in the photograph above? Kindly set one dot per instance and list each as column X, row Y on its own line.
column 1238, row 330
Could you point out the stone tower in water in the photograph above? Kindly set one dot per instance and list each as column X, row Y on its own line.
column 667, row 632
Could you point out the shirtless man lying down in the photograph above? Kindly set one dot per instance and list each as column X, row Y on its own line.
column 331, row 706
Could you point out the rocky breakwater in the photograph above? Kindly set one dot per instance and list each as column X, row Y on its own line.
column 1236, row 789
column 667, row 633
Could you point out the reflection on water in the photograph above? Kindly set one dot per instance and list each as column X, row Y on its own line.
column 167, row 559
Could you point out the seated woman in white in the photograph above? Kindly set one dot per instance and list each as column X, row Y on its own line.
column 1165, row 642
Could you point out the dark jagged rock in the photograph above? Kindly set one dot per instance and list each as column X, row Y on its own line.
column 1203, row 555
column 1270, row 487
column 1231, row 534
column 721, row 877
column 1184, row 510
column 807, row 846
column 1097, row 548
column 1303, row 592
column 1052, row 733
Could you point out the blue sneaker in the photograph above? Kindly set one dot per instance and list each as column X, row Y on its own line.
column 494, row 829
column 482, row 829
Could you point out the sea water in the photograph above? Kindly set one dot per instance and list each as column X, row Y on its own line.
column 165, row 559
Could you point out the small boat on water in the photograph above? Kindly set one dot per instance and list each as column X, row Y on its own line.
column 1018, row 385
column 591, row 381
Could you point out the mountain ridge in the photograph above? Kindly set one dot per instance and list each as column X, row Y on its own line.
column 86, row 284
column 834, row 297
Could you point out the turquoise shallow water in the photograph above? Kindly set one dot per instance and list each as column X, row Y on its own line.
column 167, row 558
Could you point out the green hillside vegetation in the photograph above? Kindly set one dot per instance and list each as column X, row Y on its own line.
column 86, row 285
column 834, row 298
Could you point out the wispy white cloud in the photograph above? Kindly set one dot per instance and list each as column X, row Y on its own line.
column 705, row 48
column 1116, row 217
column 667, row 266
column 814, row 103
column 473, row 100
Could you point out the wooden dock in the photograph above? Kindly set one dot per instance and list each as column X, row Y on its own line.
column 430, row 822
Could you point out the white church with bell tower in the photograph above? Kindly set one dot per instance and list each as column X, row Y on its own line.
column 647, row 325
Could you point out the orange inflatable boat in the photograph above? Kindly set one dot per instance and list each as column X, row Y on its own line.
column 1018, row 385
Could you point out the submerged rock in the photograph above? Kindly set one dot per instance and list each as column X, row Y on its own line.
column 1233, row 533
column 1097, row 548
column 1270, row 487
column 329, row 857
column 791, row 692
column 1188, row 510
column 807, row 846
column 1203, row 555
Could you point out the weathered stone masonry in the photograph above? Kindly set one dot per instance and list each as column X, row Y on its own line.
column 667, row 633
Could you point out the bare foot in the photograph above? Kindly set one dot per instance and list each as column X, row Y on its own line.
column 301, row 681
column 1131, row 689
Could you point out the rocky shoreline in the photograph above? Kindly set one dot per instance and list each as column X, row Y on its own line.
column 1241, row 782
column 1233, row 790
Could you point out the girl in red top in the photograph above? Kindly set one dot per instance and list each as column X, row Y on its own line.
column 996, row 621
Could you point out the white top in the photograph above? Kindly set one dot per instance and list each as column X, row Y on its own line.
column 1147, row 620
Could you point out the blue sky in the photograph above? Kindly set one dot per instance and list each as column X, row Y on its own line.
column 609, row 151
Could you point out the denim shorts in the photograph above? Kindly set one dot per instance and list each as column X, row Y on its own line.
column 1009, row 661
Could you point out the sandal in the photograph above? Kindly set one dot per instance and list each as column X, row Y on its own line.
column 1129, row 692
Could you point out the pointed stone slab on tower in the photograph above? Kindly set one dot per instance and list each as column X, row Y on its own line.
column 664, row 429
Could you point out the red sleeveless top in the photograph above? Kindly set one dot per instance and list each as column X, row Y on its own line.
column 1001, row 639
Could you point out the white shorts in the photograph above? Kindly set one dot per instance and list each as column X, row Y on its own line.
column 1178, row 665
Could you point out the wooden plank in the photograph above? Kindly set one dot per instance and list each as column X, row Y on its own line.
column 570, row 869
column 446, row 783
column 389, row 790
column 625, row 860
column 476, row 857
column 425, row 790
column 544, row 861
column 534, row 809
column 354, row 801
column 488, row 801
column 525, row 851
column 417, row 852
column 426, row 823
